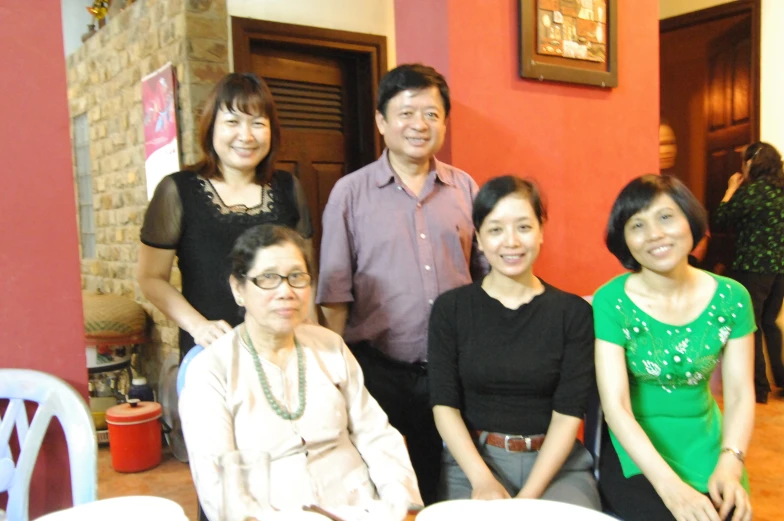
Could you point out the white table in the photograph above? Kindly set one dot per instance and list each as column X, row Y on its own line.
column 128, row 508
column 529, row 509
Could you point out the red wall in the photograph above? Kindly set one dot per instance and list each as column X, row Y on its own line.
column 422, row 37
column 40, row 298
column 581, row 144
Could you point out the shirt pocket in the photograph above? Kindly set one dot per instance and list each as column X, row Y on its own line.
column 456, row 238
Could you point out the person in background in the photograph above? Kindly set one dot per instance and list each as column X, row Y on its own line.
column 511, row 366
column 398, row 233
column 294, row 391
column 660, row 331
column 668, row 153
column 668, row 146
column 197, row 214
column 753, row 207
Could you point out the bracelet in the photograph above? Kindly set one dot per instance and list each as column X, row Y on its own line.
column 735, row 452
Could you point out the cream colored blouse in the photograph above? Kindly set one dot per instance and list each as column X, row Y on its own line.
column 341, row 452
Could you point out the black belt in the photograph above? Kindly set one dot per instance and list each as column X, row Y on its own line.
column 384, row 359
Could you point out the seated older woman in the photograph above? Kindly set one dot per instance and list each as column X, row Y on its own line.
column 292, row 390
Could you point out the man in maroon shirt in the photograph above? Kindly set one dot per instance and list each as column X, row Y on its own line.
column 398, row 233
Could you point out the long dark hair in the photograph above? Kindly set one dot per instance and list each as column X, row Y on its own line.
column 765, row 162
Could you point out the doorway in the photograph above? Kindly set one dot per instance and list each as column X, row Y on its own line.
column 709, row 91
column 324, row 84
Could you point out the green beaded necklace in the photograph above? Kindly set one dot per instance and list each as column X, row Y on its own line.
column 277, row 407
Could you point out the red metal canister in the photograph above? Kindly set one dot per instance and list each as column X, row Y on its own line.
column 134, row 435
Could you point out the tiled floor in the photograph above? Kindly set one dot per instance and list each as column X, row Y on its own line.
column 765, row 463
column 171, row 479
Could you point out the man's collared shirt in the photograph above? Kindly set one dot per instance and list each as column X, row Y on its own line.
column 389, row 253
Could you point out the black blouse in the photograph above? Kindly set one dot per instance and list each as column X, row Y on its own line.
column 187, row 214
column 756, row 213
column 507, row 370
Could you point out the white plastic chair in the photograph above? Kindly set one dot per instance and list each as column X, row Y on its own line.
column 55, row 398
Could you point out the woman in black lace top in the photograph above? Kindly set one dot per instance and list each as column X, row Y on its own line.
column 754, row 207
column 198, row 213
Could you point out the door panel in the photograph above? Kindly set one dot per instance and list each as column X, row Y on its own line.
column 324, row 82
column 327, row 175
column 309, row 91
column 741, row 106
column 729, row 129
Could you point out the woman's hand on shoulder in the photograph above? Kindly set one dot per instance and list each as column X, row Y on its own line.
column 726, row 490
column 686, row 504
column 208, row 331
column 489, row 489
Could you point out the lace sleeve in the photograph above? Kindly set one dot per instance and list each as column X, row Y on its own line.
column 304, row 225
column 162, row 226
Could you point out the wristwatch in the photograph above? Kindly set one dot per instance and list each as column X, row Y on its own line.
column 735, row 452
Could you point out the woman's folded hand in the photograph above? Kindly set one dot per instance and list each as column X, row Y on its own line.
column 685, row 503
column 727, row 492
column 489, row 489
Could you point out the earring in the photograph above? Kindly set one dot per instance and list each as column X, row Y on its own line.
column 240, row 301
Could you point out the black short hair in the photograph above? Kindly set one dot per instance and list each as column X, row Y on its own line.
column 499, row 187
column 411, row 76
column 255, row 239
column 637, row 196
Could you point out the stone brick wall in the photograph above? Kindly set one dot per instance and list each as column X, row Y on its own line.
column 104, row 81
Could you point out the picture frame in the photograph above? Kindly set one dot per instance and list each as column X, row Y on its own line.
column 571, row 41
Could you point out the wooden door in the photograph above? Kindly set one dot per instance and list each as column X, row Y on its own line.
column 324, row 85
column 728, row 126
column 310, row 95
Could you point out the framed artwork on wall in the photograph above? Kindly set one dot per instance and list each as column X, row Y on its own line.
column 572, row 41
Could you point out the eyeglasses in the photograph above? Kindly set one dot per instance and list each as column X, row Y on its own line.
column 298, row 279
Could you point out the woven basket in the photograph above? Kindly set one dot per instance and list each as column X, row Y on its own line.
column 111, row 316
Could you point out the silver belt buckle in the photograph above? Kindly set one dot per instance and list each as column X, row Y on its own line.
column 517, row 437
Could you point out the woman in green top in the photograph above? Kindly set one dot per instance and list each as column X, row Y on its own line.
column 754, row 206
column 660, row 331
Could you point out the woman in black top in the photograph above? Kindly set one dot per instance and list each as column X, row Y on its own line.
column 511, row 368
column 754, row 206
column 197, row 214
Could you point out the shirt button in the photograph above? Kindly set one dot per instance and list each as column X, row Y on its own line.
column 430, row 301
column 399, row 187
column 423, row 235
column 419, row 205
column 427, row 267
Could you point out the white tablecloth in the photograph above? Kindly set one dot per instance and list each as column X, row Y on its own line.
column 129, row 508
column 528, row 509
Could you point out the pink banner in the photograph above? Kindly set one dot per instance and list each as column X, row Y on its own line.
column 161, row 147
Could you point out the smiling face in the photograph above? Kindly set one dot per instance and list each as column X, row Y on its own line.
column 659, row 237
column 240, row 140
column 511, row 236
column 414, row 125
column 274, row 311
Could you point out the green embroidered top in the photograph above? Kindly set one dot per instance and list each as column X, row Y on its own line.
column 756, row 213
column 669, row 369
